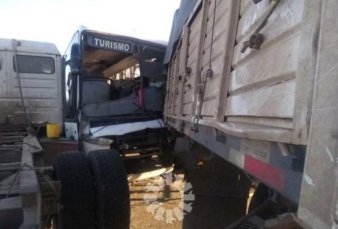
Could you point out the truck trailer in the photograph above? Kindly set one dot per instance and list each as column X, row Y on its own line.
column 255, row 83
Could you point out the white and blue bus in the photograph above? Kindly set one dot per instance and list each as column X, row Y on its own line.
column 114, row 92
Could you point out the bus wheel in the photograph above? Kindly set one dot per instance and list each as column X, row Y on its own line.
column 77, row 192
column 112, row 190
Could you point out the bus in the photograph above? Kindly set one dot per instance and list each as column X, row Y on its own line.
column 113, row 91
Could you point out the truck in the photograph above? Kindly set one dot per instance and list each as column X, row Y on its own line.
column 30, row 77
column 252, row 90
column 68, row 123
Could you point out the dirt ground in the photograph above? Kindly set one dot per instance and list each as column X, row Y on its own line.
column 155, row 201
column 154, row 205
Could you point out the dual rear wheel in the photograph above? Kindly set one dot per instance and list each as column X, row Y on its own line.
column 94, row 190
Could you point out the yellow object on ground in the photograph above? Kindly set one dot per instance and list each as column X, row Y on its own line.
column 53, row 130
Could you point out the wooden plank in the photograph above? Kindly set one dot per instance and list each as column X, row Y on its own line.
column 188, row 91
column 271, row 122
column 266, row 67
column 213, row 84
column 284, row 21
column 228, row 56
column 192, row 53
column 121, row 65
column 257, row 70
column 169, row 86
column 251, row 17
column 196, row 109
column 200, row 23
column 172, row 80
column 274, row 101
column 176, row 81
column 209, row 108
column 192, row 60
column 187, row 109
column 195, row 24
column 183, row 70
column 220, row 47
column 222, row 13
column 245, row 5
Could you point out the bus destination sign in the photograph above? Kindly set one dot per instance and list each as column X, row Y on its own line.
column 110, row 44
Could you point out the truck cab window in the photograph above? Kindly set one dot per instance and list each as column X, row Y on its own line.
column 34, row 64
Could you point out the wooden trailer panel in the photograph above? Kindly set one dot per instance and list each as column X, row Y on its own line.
column 217, row 32
column 269, row 89
column 193, row 49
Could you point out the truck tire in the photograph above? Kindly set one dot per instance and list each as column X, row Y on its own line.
column 77, row 191
column 112, row 190
column 166, row 157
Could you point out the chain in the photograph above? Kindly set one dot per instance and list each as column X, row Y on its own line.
column 209, row 73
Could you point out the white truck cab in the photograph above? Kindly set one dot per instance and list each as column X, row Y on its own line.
column 36, row 88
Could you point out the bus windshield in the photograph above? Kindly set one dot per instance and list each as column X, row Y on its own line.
column 120, row 75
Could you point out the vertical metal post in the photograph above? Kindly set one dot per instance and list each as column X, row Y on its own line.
column 318, row 205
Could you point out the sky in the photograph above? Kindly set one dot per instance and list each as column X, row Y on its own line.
column 56, row 21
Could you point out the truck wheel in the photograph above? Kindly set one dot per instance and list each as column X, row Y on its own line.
column 112, row 190
column 166, row 157
column 77, row 192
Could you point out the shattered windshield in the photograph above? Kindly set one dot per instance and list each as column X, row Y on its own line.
column 120, row 78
